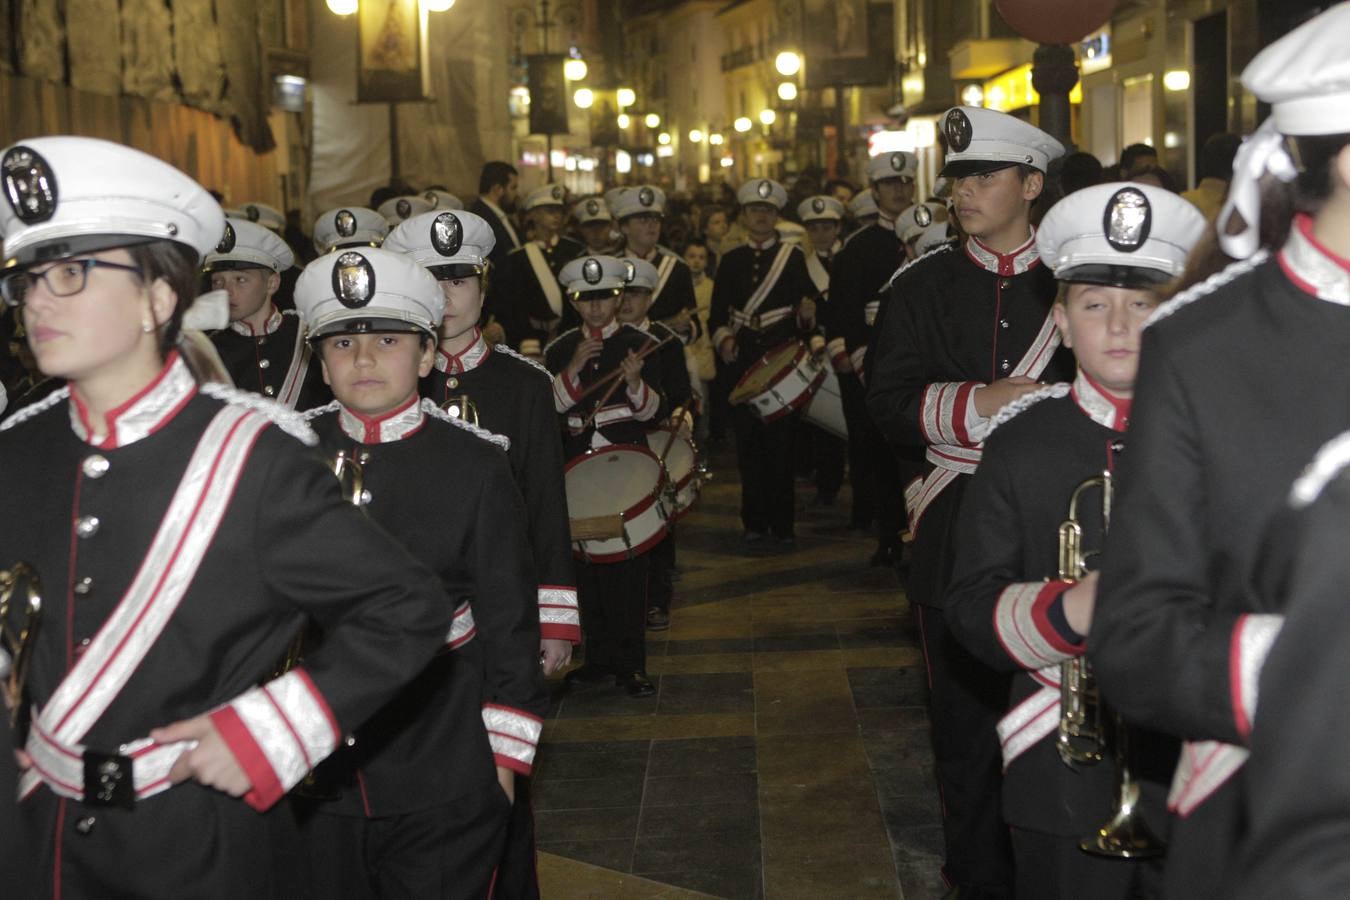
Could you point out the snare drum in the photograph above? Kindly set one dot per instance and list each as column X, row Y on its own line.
column 614, row 502
column 681, row 461
column 826, row 409
column 779, row 382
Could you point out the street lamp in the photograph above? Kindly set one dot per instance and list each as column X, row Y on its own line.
column 663, row 138
column 787, row 63
column 625, row 97
column 716, row 139
column 437, row 5
column 695, row 136
column 768, row 116
column 623, row 120
column 583, row 98
column 342, row 7
column 574, row 69
column 787, row 90
column 743, row 124
column 652, row 120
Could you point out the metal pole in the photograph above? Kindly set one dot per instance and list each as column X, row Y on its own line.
column 393, row 142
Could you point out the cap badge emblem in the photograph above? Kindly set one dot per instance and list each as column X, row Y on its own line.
column 897, row 162
column 818, row 205
column 403, row 208
column 227, row 240
column 629, row 271
column 557, row 192
column 765, row 190
column 253, row 213
column 1128, row 220
column 592, row 271
column 646, row 196
column 923, row 216
column 345, row 222
column 592, row 208
column 447, row 234
column 958, row 130
column 29, row 184
column 432, row 197
column 353, row 280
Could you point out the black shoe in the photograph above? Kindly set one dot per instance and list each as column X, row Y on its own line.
column 886, row 555
column 587, row 676
column 657, row 619
column 637, row 684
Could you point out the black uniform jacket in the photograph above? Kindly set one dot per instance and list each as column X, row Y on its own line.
column 1296, row 785
column 1240, row 382
column 675, row 294
column 625, row 417
column 520, row 303
column 277, row 363
column 513, row 396
column 286, row 546
column 1005, row 600
column 674, row 371
column 858, row 272
column 447, row 494
column 774, row 321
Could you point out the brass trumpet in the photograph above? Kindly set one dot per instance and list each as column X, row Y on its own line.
column 16, row 646
column 353, row 486
column 462, row 408
column 1082, row 738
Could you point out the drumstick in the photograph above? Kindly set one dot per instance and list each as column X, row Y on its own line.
column 670, row 438
column 615, row 379
column 647, row 350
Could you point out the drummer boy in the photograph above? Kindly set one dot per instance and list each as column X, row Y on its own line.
column 607, row 386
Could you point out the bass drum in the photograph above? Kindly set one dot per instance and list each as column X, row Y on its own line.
column 614, row 503
column 779, row 382
column 826, row 408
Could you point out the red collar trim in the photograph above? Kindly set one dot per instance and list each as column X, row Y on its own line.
column 1311, row 266
column 469, row 358
column 392, row 426
column 144, row 414
column 1023, row 259
column 1101, row 405
column 601, row 334
column 269, row 327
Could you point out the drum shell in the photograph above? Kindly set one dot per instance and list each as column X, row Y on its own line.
column 645, row 518
column 790, row 386
column 826, row 407
column 681, row 465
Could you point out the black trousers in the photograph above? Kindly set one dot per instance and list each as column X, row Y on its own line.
column 448, row 851
column 765, row 457
column 518, row 874
column 661, row 573
column 828, row 454
column 1052, row 867
column 966, row 700
column 861, row 466
column 613, row 601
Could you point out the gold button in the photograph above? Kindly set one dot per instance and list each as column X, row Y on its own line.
column 95, row 466
column 83, row 586
column 264, row 363
column 452, row 382
column 269, row 391
column 86, row 526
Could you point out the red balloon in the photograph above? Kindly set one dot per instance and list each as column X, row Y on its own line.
column 1055, row 21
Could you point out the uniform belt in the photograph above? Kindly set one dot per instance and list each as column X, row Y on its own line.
column 606, row 416
column 137, row 770
column 760, row 321
column 870, row 312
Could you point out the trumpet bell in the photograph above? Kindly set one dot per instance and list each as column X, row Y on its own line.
column 462, row 408
column 16, row 642
column 1126, row 835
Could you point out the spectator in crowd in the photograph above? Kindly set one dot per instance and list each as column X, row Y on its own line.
column 1135, row 158
column 1156, row 176
column 1079, row 170
column 1216, row 168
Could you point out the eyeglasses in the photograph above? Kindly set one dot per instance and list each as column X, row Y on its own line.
column 64, row 279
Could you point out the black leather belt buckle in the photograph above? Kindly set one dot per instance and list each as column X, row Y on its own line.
column 109, row 780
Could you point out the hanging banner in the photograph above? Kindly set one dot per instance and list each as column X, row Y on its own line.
column 391, row 59
column 548, row 93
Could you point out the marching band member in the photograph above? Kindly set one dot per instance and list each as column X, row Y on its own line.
column 634, row 309
column 762, row 297
column 822, row 216
column 183, row 532
column 264, row 348
column 965, row 333
column 269, row 217
column 349, row 226
column 612, row 595
column 862, row 210
column 595, row 223
column 525, row 298
column 864, row 265
column 397, row 210
column 639, row 212
column 1111, row 247
column 1241, row 383
column 421, row 810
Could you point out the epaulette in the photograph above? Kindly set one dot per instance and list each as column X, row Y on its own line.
column 502, row 348
column 317, row 411
column 288, row 420
column 1026, row 402
column 559, row 338
column 34, row 409
column 1193, row 293
column 916, row 260
column 431, row 409
column 1326, row 465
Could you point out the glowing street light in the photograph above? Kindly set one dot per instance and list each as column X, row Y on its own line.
column 624, row 121
column 663, row 138
column 787, row 91
column 716, row 139
column 743, row 124
column 695, row 136
column 787, row 63
column 652, row 120
column 625, row 97
column 342, row 7
column 768, row 116
column 583, row 98
column 439, row 5
column 574, row 69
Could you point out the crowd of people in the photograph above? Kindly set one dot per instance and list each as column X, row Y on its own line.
column 306, row 522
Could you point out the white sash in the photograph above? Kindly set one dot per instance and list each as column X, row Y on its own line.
column 820, row 276
column 770, row 279
column 544, row 275
column 663, row 270
column 295, row 375
column 1032, row 720
column 181, row 542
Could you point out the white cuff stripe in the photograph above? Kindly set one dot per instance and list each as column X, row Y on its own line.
column 1258, row 633
column 1017, row 629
